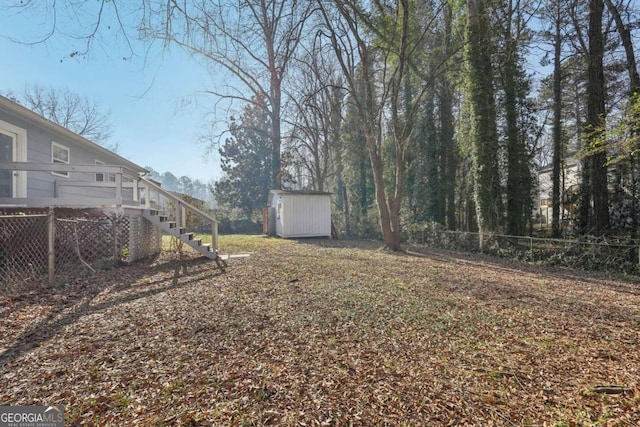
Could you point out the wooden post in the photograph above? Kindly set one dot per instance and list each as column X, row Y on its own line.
column 147, row 196
column 214, row 236
column 52, row 244
column 136, row 189
column 178, row 214
column 119, row 188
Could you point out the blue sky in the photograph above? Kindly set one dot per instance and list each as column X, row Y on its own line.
column 156, row 104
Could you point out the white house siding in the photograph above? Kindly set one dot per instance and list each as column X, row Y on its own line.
column 543, row 207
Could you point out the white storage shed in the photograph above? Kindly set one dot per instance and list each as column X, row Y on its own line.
column 300, row 213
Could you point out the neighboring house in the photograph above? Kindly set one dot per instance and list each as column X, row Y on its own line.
column 46, row 169
column 569, row 181
column 294, row 214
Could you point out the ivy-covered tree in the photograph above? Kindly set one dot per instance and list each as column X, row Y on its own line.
column 246, row 162
column 485, row 149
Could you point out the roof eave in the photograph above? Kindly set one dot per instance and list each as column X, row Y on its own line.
column 47, row 124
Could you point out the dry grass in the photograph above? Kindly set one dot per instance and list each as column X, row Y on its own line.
column 320, row 332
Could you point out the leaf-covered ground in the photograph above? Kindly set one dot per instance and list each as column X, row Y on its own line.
column 328, row 333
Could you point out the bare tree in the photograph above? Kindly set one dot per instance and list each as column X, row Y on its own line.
column 75, row 112
column 316, row 95
column 83, row 23
column 378, row 61
column 249, row 43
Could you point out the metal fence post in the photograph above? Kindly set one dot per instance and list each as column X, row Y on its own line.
column 51, row 237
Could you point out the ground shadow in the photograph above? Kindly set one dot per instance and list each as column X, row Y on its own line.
column 71, row 304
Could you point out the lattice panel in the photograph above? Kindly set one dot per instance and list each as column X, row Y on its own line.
column 23, row 249
column 85, row 244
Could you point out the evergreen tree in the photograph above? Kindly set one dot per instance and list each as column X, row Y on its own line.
column 515, row 89
column 596, row 191
column 246, row 163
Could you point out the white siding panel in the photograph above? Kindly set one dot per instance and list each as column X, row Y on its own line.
column 307, row 215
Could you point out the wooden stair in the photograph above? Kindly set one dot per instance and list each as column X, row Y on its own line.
column 171, row 228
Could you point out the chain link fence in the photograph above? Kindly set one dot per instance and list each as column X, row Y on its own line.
column 23, row 248
column 590, row 253
column 58, row 244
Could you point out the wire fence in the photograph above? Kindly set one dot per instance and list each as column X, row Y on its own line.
column 591, row 253
column 58, row 244
column 23, row 248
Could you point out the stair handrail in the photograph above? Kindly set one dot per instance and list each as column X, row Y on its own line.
column 183, row 204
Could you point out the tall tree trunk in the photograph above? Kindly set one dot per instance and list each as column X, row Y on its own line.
column 402, row 129
column 372, row 133
column 448, row 149
column 485, row 147
column 516, row 156
column 449, row 153
column 558, row 152
column 595, row 119
column 275, row 96
column 433, row 168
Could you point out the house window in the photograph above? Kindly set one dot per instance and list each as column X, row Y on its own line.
column 60, row 154
column 104, row 176
column 6, row 155
column 13, row 148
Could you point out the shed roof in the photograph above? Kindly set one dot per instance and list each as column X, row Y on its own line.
column 297, row 193
column 32, row 117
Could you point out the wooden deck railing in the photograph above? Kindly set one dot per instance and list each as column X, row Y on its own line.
column 181, row 208
column 128, row 190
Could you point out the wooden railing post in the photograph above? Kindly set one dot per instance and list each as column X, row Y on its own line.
column 214, row 236
column 119, row 187
column 181, row 208
column 178, row 214
column 136, row 196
